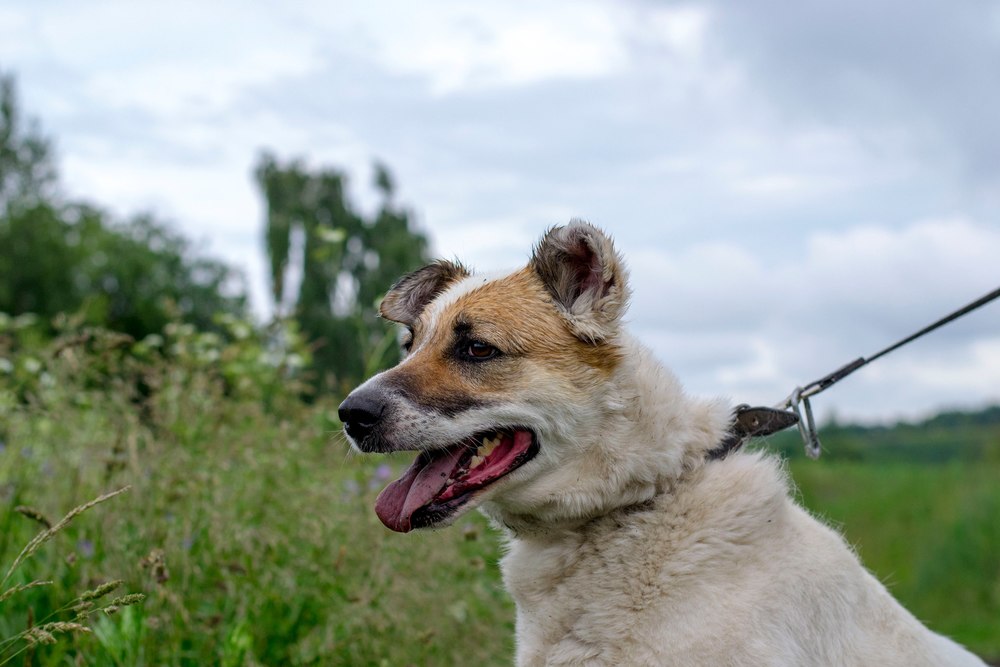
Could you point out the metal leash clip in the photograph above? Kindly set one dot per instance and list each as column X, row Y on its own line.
column 807, row 426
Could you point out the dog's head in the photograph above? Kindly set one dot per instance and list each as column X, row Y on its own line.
column 503, row 378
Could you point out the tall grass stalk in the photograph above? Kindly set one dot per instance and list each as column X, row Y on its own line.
column 48, row 533
column 46, row 632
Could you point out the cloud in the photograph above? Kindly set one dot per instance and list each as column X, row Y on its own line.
column 928, row 69
column 154, row 58
column 774, row 324
column 458, row 48
column 874, row 276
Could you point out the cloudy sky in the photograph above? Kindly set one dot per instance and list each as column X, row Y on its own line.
column 793, row 184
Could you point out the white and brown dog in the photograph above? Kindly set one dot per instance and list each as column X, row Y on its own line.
column 630, row 544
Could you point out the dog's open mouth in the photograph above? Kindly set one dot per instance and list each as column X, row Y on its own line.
column 441, row 481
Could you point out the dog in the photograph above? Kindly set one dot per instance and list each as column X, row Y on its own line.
column 629, row 543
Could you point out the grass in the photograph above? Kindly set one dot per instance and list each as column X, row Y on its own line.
column 251, row 531
column 72, row 616
column 930, row 533
column 273, row 556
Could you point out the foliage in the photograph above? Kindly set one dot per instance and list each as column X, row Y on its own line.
column 346, row 262
column 133, row 276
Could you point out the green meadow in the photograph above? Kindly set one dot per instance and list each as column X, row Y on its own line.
column 249, row 528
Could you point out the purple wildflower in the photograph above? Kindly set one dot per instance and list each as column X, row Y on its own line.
column 85, row 547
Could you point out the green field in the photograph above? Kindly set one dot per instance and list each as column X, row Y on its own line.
column 272, row 555
column 930, row 533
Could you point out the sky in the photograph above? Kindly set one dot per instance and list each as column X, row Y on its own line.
column 793, row 185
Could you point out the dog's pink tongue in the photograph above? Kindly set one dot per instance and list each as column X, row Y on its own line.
column 418, row 486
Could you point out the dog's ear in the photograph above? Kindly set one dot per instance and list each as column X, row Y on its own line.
column 585, row 276
column 406, row 299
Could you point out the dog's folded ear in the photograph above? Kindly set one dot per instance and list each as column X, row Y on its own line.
column 586, row 277
column 406, row 299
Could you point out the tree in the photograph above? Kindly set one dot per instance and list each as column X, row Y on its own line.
column 138, row 275
column 133, row 276
column 346, row 262
column 27, row 173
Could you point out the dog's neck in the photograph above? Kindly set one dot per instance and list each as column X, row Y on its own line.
column 681, row 428
column 659, row 436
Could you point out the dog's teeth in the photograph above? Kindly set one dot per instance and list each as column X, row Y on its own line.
column 476, row 460
column 489, row 444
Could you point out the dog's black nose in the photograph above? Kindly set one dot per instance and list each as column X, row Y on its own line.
column 360, row 414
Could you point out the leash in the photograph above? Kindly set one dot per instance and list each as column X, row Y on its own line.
column 796, row 409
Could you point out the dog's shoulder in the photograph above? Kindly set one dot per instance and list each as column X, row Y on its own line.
column 618, row 582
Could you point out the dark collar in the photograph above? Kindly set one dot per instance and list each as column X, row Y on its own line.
column 749, row 423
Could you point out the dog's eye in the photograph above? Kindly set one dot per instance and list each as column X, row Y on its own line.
column 480, row 351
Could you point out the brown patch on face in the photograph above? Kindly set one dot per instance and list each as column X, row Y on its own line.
column 517, row 316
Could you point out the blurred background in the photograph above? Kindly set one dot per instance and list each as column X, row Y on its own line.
column 201, row 203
